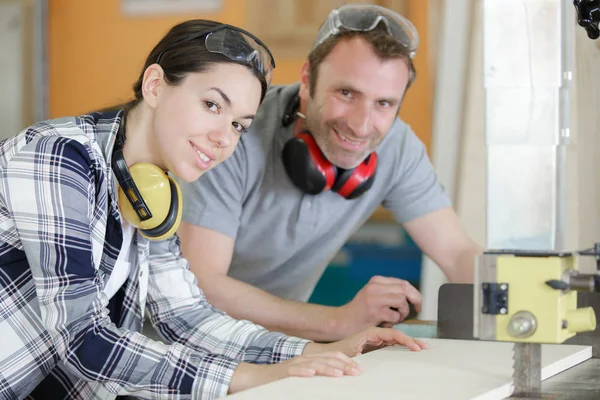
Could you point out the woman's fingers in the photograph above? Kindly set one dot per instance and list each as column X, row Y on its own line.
column 334, row 354
column 301, row 371
column 325, row 364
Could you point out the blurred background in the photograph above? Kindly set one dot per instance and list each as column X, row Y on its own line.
column 65, row 57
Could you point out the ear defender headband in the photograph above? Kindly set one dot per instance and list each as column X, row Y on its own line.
column 149, row 199
column 311, row 172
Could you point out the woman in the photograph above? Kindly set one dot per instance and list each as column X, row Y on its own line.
column 87, row 215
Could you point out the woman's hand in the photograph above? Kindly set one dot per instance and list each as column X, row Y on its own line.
column 332, row 363
column 332, row 359
column 366, row 341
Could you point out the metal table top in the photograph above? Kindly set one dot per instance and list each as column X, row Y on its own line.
column 581, row 382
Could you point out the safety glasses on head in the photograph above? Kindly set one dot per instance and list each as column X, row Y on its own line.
column 237, row 45
column 365, row 17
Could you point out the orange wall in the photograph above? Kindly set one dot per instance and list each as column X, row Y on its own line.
column 288, row 70
column 96, row 53
column 417, row 107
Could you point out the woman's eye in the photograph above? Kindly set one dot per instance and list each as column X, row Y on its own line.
column 239, row 127
column 212, row 106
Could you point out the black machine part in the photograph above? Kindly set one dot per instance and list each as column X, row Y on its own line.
column 588, row 16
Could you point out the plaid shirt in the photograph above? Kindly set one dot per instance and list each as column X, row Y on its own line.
column 60, row 235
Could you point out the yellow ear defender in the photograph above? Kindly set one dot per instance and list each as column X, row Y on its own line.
column 149, row 199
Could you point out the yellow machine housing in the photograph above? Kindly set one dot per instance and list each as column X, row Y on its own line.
column 557, row 317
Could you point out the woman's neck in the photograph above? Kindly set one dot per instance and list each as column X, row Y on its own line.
column 139, row 141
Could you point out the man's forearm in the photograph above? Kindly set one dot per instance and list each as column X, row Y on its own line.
column 463, row 269
column 243, row 301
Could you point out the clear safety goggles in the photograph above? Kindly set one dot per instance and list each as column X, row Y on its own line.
column 237, row 45
column 363, row 17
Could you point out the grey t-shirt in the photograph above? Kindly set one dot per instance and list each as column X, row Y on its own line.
column 284, row 239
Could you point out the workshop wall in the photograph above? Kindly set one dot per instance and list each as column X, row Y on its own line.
column 18, row 101
column 94, row 48
column 96, row 52
column 12, row 46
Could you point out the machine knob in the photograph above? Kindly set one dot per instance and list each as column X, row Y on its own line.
column 581, row 320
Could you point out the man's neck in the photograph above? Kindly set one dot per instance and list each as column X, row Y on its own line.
column 300, row 122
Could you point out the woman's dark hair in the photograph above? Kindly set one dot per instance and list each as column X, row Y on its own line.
column 182, row 52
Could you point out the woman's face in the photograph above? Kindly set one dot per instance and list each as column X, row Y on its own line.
column 198, row 123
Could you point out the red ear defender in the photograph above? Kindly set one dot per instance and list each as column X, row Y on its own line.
column 306, row 165
column 312, row 173
column 354, row 182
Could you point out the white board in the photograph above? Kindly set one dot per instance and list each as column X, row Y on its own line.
column 449, row 370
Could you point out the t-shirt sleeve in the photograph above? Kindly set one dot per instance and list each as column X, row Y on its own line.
column 417, row 190
column 214, row 201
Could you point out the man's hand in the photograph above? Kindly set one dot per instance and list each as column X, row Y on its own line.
column 382, row 300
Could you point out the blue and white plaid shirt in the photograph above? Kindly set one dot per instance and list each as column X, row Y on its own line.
column 60, row 235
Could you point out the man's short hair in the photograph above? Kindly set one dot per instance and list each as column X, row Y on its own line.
column 385, row 47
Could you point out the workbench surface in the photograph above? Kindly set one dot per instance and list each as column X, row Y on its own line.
column 449, row 370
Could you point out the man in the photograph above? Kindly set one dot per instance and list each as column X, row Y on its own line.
column 260, row 229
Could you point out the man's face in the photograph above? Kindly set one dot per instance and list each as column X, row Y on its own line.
column 356, row 99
